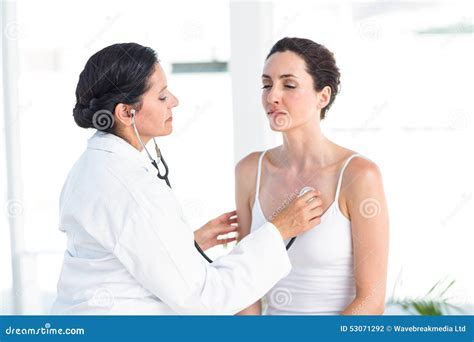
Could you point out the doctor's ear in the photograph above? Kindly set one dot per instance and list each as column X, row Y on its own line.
column 123, row 114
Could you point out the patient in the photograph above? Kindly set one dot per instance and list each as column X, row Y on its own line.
column 340, row 266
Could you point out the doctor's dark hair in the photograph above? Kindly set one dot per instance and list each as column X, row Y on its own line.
column 116, row 74
column 320, row 64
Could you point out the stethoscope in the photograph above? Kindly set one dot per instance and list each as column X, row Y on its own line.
column 301, row 193
column 163, row 176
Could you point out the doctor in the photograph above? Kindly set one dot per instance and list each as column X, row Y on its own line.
column 129, row 248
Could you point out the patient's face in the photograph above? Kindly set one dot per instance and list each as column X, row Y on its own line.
column 288, row 95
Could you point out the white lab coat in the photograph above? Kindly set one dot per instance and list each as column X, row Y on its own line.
column 130, row 250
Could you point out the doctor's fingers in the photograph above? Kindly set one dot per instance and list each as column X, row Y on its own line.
column 226, row 240
column 315, row 203
column 309, row 201
column 232, row 220
column 225, row 228
column 309, row 195
column 227, row 216
column 318, row 211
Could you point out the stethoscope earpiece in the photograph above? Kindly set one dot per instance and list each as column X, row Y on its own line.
column 160, row 159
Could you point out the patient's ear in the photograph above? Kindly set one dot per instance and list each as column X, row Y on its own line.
column 324, row 96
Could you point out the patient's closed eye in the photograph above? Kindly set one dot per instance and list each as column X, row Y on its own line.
column 289, row 86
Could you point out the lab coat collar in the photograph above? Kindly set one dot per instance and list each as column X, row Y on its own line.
column 111, row 143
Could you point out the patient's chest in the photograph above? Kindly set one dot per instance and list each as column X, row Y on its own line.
column 277, row 189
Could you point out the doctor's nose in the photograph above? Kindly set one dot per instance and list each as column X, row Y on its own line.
column 175, row 101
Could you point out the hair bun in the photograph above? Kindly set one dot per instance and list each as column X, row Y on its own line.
column 82, row 116
column 87, row 117
column 94, row 103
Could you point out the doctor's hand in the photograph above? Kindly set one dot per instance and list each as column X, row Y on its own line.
column 206, row 236
column 300, row 215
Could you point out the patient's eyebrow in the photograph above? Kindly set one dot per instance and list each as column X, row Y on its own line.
column 281, row 76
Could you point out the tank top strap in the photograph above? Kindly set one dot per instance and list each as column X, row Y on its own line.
column 259, row 170
column 341, row 173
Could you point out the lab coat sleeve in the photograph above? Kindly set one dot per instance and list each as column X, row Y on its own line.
column 157, row 248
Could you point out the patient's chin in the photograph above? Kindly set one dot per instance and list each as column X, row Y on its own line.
column 280, row 122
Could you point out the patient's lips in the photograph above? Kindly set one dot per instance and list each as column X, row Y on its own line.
column 279, row 119
column 275, row 110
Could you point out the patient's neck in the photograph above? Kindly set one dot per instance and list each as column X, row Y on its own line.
column 306, row 146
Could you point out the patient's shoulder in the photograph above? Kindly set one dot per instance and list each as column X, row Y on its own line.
column 362, row 176
column 246, row 171
column 364, row 168
column 248, row 164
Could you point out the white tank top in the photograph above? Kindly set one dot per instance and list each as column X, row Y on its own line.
column 321, row 281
